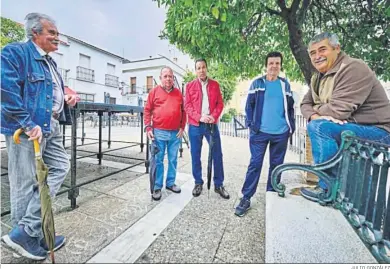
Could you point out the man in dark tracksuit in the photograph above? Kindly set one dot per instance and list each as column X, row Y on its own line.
column 270, row 118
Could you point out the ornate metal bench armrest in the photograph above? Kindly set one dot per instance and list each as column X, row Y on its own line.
column 317, row 169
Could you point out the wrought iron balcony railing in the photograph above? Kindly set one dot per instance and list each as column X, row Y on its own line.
column 112, row 81
column 85, row 74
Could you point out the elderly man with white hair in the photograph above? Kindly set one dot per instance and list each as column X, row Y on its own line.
column 33, row 98
column 344, row 95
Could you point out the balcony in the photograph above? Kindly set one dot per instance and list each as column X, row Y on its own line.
column 85, row 74
column 112, row 81
column 64, row 75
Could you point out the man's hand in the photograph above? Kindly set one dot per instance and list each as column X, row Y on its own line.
column 150, row 135
column 180, row 133
column 314, row 117
column 70, row 99
column 206, row 119
column 35, row 133
column 329, row 118
column 212, row 120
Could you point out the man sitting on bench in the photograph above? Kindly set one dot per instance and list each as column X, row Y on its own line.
column 344, row 95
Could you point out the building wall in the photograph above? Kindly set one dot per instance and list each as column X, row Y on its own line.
column 141, row 70
column 238, row 100
column 98, row 62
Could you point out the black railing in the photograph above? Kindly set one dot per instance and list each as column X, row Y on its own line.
column 112, row 81
column 85, row 74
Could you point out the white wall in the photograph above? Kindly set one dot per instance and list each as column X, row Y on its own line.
column 68, row 58
column 141, row 70
column 99, row 60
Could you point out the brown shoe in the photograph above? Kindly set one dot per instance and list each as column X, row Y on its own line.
column 221, row 191
column 197, row 190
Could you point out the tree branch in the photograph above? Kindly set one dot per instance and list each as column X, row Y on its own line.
column 272, row 11
column 295, row 6
column 302, row 11
column 319, row 5
column 282, row 4
column 252, row 25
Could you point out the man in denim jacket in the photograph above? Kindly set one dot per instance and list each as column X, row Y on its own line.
column 33, row 98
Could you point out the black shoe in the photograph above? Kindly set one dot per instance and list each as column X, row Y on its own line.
column 312, row 194
column 174, row 188
column 156, row 195
column 221, row 191
column 197, row 190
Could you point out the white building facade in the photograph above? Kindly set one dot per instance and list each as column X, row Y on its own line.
column 92, row 72
column 100, row 76
column 140, row 76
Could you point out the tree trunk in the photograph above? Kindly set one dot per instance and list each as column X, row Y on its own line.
column 299, row 49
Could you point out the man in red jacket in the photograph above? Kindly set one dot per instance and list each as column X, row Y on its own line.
column 165, row 119
column 204, row 104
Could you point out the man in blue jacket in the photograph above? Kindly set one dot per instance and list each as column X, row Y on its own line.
column 270, row 118
column 33, row 98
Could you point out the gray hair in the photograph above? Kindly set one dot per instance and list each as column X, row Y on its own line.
column 34, row 23
column 166, row 67
column 333, row 39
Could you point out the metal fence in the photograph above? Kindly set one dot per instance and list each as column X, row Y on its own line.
column 298, row 139
column 236, row 127
column 122, row 119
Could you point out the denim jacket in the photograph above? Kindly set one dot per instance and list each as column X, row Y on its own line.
column 255, row 101
column 27, row 90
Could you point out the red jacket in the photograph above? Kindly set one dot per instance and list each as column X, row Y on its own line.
column 193, row 100
column 164, row 110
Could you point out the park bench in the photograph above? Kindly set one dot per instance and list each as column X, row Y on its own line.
column 360, row 191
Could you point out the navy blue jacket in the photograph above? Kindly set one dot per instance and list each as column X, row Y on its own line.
column 255, row 101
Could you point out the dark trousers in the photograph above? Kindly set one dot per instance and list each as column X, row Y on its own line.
column 196, row 134
column 258, row 145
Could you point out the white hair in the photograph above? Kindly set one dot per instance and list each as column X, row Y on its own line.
column 34, row 23
column 333, row 39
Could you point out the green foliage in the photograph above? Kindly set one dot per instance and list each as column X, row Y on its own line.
column 232, row 112
column 226, row 117
column 239, row 34
column 10, row 32
column 188, row 76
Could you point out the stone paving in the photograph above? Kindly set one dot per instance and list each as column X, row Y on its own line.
column 205, row 231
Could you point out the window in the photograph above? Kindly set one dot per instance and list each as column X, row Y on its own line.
column 85, row 61
column 149, row 83
column 83, row 71
column 110, row 69
column 112, row 100
column 133, row 85
column 84, row 97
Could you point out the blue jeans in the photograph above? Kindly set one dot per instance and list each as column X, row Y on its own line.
column 258, row 145
column 25, row 201
column 196, row 134
column 166, row 140
column 325, row 137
